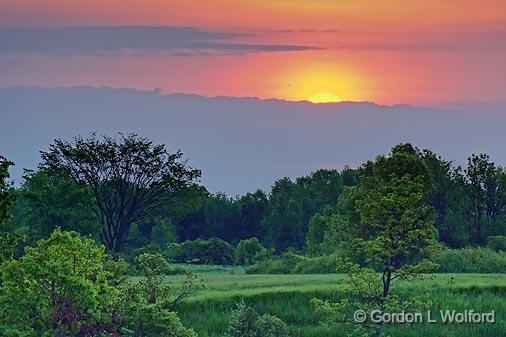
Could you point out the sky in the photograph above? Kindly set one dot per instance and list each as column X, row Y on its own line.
column 434, row 70
column 242, row 144
column 430, row 53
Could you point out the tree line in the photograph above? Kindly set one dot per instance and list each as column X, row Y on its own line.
column 130, row 193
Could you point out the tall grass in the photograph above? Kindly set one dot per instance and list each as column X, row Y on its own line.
column 288, row 297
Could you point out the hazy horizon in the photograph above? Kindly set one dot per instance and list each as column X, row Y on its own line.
column 244, row 143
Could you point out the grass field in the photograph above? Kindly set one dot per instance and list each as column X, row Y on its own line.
column 288, row 297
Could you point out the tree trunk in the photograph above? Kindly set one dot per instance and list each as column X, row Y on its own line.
column 386, row 283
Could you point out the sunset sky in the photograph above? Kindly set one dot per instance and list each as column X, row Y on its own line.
column 386, row 51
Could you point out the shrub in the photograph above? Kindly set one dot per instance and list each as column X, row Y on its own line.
column 250, row 251
column 152, row 287
column 146, row 305
column 64, row 283
column 318, row 265
column 242, row 321
column 290, row 263
column 152, row 320
column 67, row 286
column 270, row 326
column 245, row 322
column 283, row 264
column 497, row 243
column 212, row 251
column 470, row 260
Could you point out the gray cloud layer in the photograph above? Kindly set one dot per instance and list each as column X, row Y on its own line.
column 244, row 143
column 106, row 39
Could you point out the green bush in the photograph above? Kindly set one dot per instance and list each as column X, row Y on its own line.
column 290, row 263
column 67, row 286
column 318, row 265
column 250, row 251
column 283, row 264
column 245, row 322
column 497, row 243
column 63, row 282
column 152, row 320
column 470, row 260
column 270, row 326
column 242, row 321
column 212, row 251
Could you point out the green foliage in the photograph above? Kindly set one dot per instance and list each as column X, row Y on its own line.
column 250, row 251
column 212, row 251
column 128, row 178
column 253, row 207
column 470, row 260
column 242, row 321
column 218, row 216
column 58, row 286
column 245, row 322
column 326, row 264
column 152, row 288
column 291, row 204
column 317, row 226
column 7, row 243
column 147, row 305
column 289, row 298
column 283, row 264
column 271, row 326
column 67, row 286
column 160, row 233
column 449, row 198
column 487, row 186
column 48, row 200
column 150, row 320
column 153, row 268
column 497, row 243
column 325, row 232
column 393, row 230
column 290, row 263
column 365, row 291
column 5, row 195
column 389, row 230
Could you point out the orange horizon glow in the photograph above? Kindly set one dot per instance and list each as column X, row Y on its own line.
column 387, row 51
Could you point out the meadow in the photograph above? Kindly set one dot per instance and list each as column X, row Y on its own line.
column 289, row 296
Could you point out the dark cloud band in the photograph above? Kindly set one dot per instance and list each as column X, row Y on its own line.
column 106, row 39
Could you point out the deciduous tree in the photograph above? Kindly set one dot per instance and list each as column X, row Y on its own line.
column 128, row 177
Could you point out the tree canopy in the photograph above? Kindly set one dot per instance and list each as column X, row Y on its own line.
column 128, row 177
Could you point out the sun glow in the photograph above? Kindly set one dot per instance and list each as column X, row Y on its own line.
column 324, row 97
column 321, row 83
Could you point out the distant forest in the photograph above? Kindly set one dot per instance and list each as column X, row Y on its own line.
column 134, row 196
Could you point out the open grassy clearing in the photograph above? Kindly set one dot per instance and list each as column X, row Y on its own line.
column 288, row 297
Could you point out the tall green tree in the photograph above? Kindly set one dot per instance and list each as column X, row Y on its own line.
column 7, row 240
column 253, row 207
column 128, row 177
column 284, row 222
column 450, row 199
column 487, row 190
column 5, row 193
column 293, row 203
column 396, row 226
column 392, row 232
